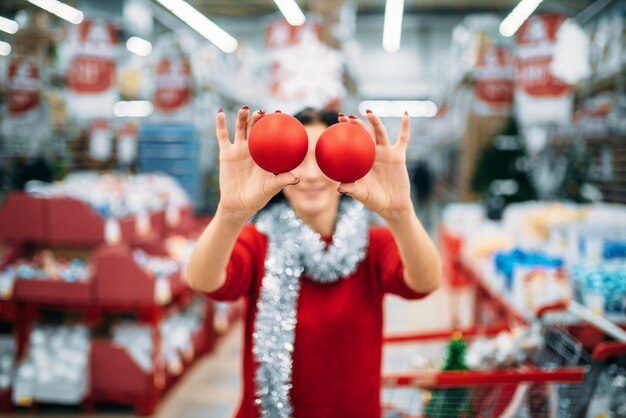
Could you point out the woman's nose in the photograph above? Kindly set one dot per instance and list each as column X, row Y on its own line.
column 309, row 168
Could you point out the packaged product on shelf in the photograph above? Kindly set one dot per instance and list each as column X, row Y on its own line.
column 609, row 398
column 161, row 268
column 137, row 340
column 55, row 369
column 7, row 360
column 177, row 332
column 602, row 286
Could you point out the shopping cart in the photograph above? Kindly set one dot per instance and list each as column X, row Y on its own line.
column 557, row 381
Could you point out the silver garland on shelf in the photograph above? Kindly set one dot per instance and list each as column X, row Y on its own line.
column 293, row 249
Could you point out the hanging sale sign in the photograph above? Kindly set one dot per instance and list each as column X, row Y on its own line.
column 494, row 80
column 173, row 83
column 91, row 68
column 540, row 96
column 23, row 87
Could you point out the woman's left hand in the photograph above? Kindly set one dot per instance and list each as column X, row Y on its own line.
column 386, row 188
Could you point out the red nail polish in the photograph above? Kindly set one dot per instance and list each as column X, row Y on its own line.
column 352, row 117
column 261, row 112
column 278, row 111
column 368, row 111
column 342, row 114
column 245, row 107
column 406, row 113
column 220, row 110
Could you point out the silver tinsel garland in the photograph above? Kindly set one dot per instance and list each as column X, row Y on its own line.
column 294, row 249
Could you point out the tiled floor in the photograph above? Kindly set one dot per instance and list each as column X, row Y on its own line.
column 211, row 389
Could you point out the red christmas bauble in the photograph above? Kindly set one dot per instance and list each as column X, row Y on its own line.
column 278, row 143
column 345, row 152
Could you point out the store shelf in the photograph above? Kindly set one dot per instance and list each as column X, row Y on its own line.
column 23, row 218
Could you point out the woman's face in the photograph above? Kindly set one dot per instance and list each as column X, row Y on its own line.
column 315, row 193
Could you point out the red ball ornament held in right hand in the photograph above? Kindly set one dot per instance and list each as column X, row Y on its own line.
column 345, row 152
column 278, row 143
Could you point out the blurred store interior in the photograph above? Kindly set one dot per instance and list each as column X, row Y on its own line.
column 109, row 173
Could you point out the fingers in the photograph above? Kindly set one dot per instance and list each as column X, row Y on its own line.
column 280, row 181
column 405, row 132
column 356, row 190
column 343, row 118
column 220, row 129
column 362, row 124
column 241, row 126
column 380, row 132
column 253, row 119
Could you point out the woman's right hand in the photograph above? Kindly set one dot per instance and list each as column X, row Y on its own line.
column 245, row 188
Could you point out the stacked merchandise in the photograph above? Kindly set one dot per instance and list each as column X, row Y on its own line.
column 543, row 253
column 99, row 246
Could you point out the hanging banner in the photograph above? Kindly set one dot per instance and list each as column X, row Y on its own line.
column 173, row 83
column 23, row 87
column 494, row 81
column 91, row 49
column 541, row 98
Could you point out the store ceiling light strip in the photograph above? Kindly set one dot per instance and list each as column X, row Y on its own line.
column 291, row 11
column 60, row 9
column 8, row 25
column 396, row 108
column 132, row 109
column 518, row 16
column 139, row 46
column 199, row 22
column 392, row 30
column 5, row 48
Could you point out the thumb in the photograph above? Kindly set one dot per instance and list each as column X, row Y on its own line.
column 356, row 190
column 282, row 180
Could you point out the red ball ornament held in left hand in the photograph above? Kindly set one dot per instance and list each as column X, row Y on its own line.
column 278, row 143
column 345, row 152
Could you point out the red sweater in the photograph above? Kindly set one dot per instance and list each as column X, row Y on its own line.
column 338, row 340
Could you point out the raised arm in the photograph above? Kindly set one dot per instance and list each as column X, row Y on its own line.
column 386, row 190
column 244, row 190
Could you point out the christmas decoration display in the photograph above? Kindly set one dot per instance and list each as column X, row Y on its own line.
column 56, row 366
column 278, row 143
column 345, row 152
column 44, row 265
column 508, row 349
column 453, row 401
column 117, row 195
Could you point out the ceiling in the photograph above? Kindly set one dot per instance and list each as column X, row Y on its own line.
column 240, row 8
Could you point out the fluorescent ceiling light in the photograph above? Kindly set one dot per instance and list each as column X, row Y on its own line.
column 205, row 27
column 132, row 109
column 291, row 11
column 5, row 48
column 396, row 108
column 139, row 46
column 8, row 25
column 518, row 16
column 61, row 10
column 392, row 31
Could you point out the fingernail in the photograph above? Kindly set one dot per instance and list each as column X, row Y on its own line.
column 295, row 182
column 220, row 110
column 406, row 113
column 245, row 107
column 261, row 112
column 342, row 114
column 278, row 111
column 368, row 111
column 352, row 117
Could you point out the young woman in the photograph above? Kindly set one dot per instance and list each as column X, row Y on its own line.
column 312, row 270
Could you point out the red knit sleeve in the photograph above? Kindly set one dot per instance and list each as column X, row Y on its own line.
column 248, row 253
column 383, row 247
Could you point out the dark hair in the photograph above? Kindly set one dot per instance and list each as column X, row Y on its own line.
column 308, row 116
